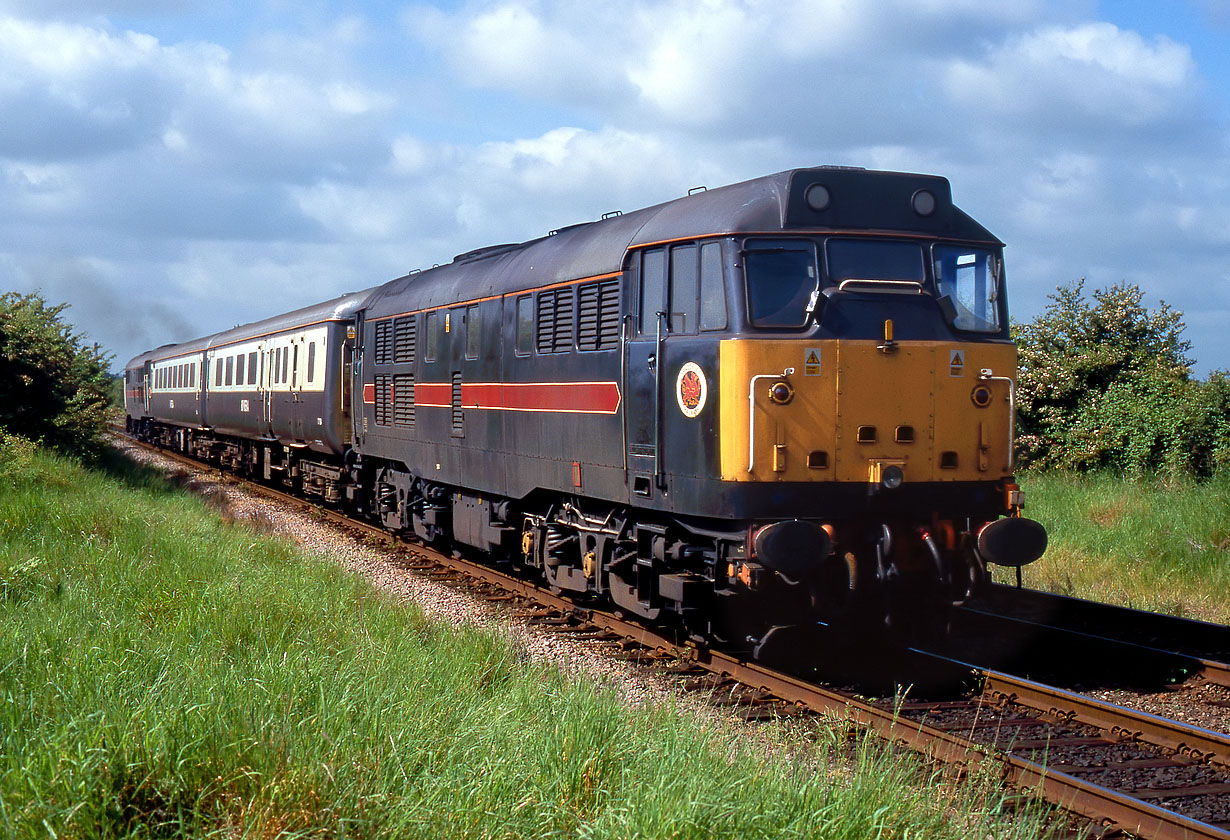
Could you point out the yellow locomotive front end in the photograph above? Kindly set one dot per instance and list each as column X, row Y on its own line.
column 868, row 415
column 850, row 411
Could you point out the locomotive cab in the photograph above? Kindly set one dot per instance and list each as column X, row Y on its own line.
column 845, row 395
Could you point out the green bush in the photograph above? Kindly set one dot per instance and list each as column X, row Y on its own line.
column 53, row 386
column 1106, row 384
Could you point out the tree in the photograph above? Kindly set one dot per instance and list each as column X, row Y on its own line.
column 1107, row 383
column 53, row 386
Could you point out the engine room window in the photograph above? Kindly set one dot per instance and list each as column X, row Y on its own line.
column 712, row 290
column 431, row 339
column 525, row 325
column 871, row 259
column 474, row 332
column 969, row 278
column 781, row 277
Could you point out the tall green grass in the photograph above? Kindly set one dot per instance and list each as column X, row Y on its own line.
column 1158, row 544
column 163, row 674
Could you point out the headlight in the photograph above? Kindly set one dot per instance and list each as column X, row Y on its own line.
column 891, row 477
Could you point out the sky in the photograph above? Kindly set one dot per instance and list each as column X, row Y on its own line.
column 171, row 168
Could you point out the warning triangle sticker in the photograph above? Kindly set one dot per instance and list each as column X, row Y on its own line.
column 812, row 358
column 956, row 358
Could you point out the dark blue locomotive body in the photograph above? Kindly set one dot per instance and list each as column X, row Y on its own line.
column 757, row 406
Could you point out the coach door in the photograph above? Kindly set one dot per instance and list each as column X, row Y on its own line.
column 298, row 354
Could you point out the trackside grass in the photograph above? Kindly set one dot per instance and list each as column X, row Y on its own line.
column 1161, row 545
column 163, row 673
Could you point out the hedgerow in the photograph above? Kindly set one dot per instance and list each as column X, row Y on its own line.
column 54, row 387
column 1105, row 383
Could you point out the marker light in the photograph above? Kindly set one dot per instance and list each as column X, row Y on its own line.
column 781, row 393
column 817, row 197
column 923, row 202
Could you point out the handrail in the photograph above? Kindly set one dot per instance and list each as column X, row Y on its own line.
column 989, row 376
column 751, row 413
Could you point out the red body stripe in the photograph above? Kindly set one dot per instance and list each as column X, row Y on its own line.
column 558, row 397
column 569, row 397
column 433, row 394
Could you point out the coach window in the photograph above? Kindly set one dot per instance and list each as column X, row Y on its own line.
column 239, row 377
column 192, row 375
column 217, row 362
column 653, row 289
column 252, row 368
column 285, row 364
column 431, row 340
column 230, row 370
column 311, row 367
column 683, row 288
column 294, row 368
column 712, row 289
column 525, row 325
column 474, row 334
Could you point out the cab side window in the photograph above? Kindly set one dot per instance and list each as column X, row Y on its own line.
column 652, row 289
column 712, row 289
column 684, row 285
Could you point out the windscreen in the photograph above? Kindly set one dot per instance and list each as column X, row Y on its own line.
column 969, row 278
column 874, row 259
column 781, row 276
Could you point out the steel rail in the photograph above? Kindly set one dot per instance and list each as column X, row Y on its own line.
column 1202, row 745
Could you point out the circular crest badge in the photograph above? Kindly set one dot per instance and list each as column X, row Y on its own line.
column 691, row 389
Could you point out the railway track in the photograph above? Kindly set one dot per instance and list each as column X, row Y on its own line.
column 1120, row 768
column 1158, row 646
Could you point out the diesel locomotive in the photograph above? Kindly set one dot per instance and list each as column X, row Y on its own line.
column 779, row 405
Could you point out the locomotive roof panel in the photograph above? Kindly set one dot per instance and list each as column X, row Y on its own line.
column 824, row 198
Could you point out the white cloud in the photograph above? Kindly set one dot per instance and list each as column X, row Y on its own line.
column 295, row 162
column 1088, row 76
